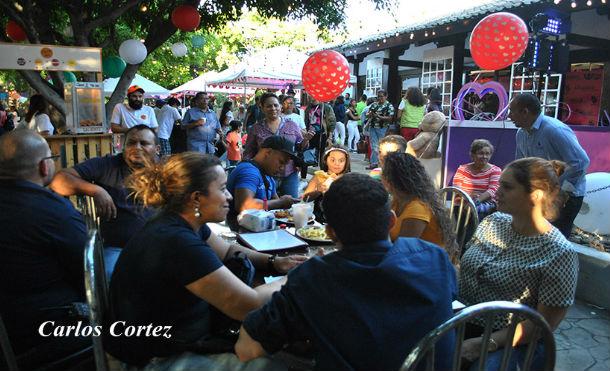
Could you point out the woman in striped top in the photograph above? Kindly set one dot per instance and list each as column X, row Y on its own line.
column 480, row 179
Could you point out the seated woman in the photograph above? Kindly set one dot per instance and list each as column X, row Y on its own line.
column 171, row 279
column 335, row 163
column 517, row 255
column 480, row 179
column 419, row 210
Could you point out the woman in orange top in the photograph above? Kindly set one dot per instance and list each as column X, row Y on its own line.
column 234, row 143
column 419, row 210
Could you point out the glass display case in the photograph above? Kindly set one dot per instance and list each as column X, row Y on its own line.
column 85, row 112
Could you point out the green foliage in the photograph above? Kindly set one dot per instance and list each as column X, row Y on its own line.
column 223, row 48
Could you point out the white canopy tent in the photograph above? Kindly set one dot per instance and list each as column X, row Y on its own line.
column 151, row 88
column 199, row 84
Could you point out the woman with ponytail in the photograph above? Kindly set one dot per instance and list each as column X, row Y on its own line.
column 517, row 255
column 172, row 274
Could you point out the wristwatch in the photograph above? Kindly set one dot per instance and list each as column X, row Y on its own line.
column 270, row 263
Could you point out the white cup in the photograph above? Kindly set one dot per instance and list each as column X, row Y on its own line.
column 300, row 217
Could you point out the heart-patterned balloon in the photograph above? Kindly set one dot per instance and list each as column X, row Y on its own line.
column 480, row 90
column 493, row 35
column 325, row 75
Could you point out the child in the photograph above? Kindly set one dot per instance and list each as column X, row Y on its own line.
column 234, row 144
column 335, row 163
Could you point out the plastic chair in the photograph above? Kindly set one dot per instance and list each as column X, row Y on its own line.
column 96, row 288
column 487, row 311
column 463, row 212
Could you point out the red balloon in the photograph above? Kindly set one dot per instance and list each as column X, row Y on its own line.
column 325, row 75
column 15, row 32
column 498, row 40
column 186, row 18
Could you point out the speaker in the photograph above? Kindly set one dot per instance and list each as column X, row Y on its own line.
column 560, row 61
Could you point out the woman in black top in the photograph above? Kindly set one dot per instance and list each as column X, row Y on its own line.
column 171, row 275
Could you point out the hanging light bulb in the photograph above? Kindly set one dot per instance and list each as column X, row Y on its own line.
column 573, row 5
column 556, row 2
column 426, row 34
column 412, row 36
column 433, row 32
column 589, row 2
column 384, row 41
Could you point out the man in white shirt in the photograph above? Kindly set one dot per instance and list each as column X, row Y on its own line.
column 125, row 116
column 168, row 115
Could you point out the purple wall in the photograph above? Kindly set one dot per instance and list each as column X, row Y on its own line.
column 595, row 140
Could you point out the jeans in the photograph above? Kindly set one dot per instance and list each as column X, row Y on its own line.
column 288, row 185
column 353, row 135
column 339, row 133
column 212, row 362
column 567, row 214
column 517, row 357
column 376, row 134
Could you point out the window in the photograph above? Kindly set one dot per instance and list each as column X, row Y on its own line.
column 437, row 72
column 374, row 71
column 524, row 81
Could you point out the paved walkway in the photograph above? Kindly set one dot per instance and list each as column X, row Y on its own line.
column 583, row 338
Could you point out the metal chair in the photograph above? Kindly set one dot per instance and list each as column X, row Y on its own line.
column 463, row 212
column 96, row 288
column 425, row 347
column 86, row 206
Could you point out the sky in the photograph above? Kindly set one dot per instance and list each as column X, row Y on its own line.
column 363, row 20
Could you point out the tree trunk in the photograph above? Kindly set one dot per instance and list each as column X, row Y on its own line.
column 118, row 95
column 33, row 78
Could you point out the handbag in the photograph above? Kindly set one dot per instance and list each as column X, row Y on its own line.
column 309, row 157
column 362, row 145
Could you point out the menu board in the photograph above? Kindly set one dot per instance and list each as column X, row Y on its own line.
column 50, row 57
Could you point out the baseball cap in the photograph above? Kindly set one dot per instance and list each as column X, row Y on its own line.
column 134, row 88
column 282, row 144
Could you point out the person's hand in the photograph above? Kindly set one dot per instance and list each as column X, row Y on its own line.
column 283, row 264
column 287, row 200
column 471, row 348
column 200, row 122
column 310, row 134
column 307, row 197
column 104, row 206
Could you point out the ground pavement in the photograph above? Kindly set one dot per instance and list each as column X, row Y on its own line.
column 583, row 338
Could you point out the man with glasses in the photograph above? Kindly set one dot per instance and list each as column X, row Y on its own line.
column 103, row 179
column 42, row 239
column 379, row 116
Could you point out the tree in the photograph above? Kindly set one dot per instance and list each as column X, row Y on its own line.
column 94, row 23
column 225, row 47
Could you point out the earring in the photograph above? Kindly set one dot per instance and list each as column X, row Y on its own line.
column 197, row 213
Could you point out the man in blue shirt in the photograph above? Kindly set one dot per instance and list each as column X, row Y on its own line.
column 103, row 178
column 365, row 306
column 201, row 125
column 549, row 138
column 251, row 183
column 42, row 240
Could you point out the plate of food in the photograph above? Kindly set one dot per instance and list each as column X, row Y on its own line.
column 285, row 216
column 314, row 233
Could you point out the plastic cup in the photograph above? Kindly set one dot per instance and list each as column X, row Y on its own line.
column 300, row 217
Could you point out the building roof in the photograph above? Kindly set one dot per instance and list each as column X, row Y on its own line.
column 492, row 6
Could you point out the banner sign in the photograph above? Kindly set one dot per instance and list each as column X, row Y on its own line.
column 583, row 91
column 49, row 58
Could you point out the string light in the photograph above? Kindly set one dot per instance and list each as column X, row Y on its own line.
column 143, row 8
column 556, row 2
column 412, row 36
column 384, row 41
column 589, row 2
column 426, row 34
column 433, row 32
column 573, row 5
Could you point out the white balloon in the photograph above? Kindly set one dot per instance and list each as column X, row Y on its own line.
column 179, row 49
column 133, row 51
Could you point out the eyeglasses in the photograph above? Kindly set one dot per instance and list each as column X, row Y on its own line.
column 52, row 157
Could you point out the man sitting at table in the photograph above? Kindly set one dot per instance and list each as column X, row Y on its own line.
column 369, row 295
column 42, row 239
column 103, row 179
column 251, row 183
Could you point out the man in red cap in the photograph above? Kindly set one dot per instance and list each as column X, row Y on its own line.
column 125, row 116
